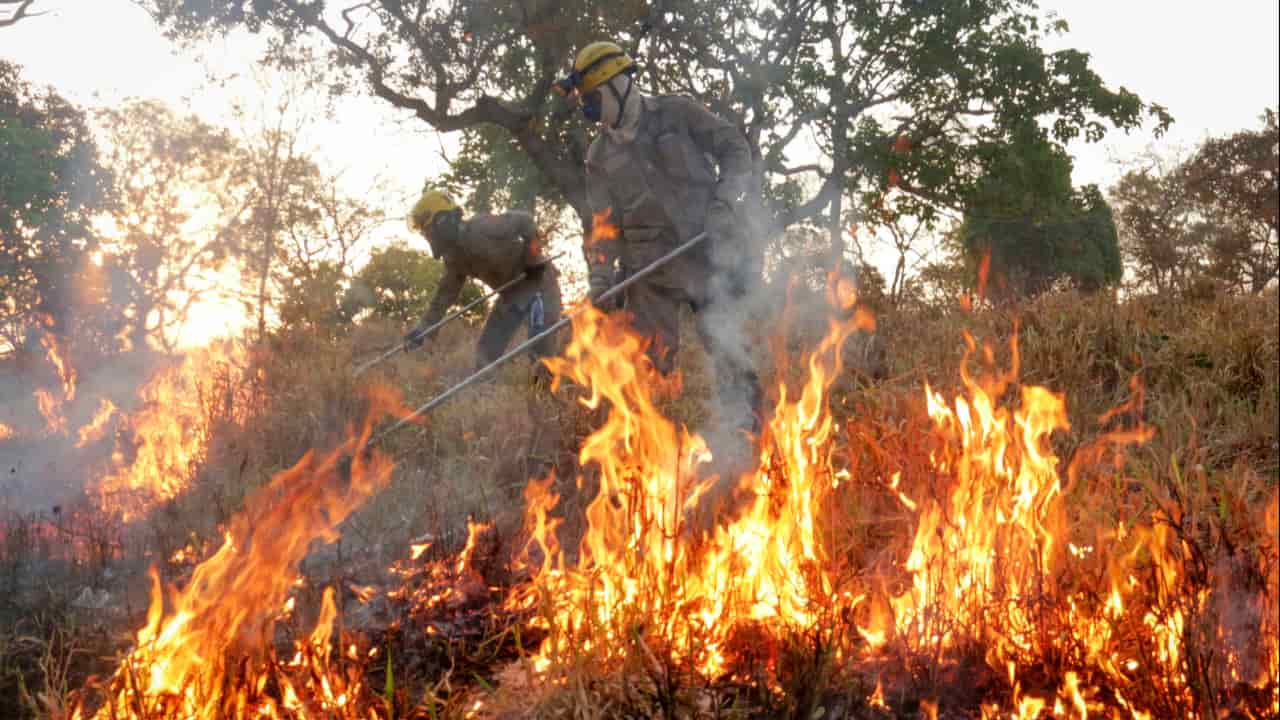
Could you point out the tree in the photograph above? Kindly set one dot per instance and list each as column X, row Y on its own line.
column 13, row 11
column 402, row 282
column 1026, row 220
column 946, row 81
column 1236, row 180
column 1155, row 219
column 51, row 186
column 317, row 289
column 315, row 298
column 181, row 203
column 1212, row 215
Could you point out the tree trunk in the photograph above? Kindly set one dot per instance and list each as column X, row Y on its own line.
column 268, row 250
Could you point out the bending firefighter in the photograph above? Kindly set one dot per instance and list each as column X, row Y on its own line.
column 667, row 169
column 494, row 249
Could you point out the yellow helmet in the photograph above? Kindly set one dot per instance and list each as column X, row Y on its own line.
column 428, row 206
column 595, row 65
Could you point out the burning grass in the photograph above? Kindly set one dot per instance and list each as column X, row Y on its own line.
column 206, row 651
column 1080, row 522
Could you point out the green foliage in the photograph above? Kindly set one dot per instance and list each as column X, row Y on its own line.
column 1208, row 220
column 1236, row 180
column 952, row 79
column 401, row 281
column 1155, row 219
column 50, row 186
column 1036, row 229
column 315, row 298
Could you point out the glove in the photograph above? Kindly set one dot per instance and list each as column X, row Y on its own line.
column 599, row 280
column 414, row 339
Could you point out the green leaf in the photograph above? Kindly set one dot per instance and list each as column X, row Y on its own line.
column 389, row 690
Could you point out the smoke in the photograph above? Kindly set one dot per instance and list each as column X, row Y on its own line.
column 42, row 466
column 742, row 304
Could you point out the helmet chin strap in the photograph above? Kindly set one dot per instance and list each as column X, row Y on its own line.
column 621, row 98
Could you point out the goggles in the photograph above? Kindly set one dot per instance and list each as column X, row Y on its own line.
column 591, row 100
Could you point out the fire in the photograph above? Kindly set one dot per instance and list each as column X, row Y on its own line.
column 167, row 435
column 602, row 230
column 97, row 428
column 6, row 432
column 996, row 535
column 997, row 559
column 205, row 651
column 642, row 576
column 994, row 561
column 51, row 409
column 66, row 373
column 52, row 406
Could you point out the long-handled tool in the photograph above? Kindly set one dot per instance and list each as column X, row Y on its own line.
column 448, row 318
column 517, row 350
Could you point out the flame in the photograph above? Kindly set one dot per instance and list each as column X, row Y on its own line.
column 643, row 576
column 1073, row 619
column 968, row 300
column 996, row 534
column 66, row 373
column 51, row 409
column 166, row 430
column 190, row 657
column 602, row 231
column 994, row 560
column 51, row 406
column 6, row 432
column 96, row 429
column 601, row 228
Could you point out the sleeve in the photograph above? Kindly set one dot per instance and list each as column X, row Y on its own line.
column 600, row 243
column 447, row 293
column 716, row 137
column 525, row 228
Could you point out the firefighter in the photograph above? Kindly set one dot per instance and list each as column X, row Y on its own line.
column 494, row 249
column 665, row 168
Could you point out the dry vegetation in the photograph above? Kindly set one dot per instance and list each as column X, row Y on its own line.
column 444, row 635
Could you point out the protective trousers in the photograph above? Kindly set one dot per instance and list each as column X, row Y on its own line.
column 533, row 302
column 654, row 304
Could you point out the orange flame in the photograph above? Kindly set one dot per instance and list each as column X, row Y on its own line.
column 96, row 429
column 189, row 658
column 763, row 566
column 167, row 434
column 66, row 373
column 602, row 231
column 993, row 561
column 51, row 409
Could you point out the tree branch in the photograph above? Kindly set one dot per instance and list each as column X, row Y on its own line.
column 20, row 13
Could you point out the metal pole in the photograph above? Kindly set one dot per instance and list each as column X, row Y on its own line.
column 448, row 318
column 517, row 350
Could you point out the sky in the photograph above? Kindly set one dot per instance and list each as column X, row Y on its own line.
column 1215, row 67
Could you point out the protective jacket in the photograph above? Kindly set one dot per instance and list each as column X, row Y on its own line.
column 659, row 188
column 661, row 183
column 495, row 249
column 491, row 248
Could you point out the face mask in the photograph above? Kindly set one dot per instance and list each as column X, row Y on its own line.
column 592, row 105
column 605, row 104
column 445, row 227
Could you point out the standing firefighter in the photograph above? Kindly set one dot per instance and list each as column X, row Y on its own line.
column 666, row 169
column 494, row 249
